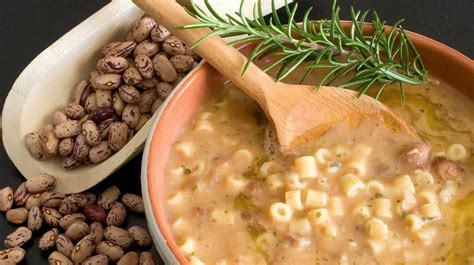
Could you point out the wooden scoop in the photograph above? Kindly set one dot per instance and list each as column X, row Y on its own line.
column 297, row 112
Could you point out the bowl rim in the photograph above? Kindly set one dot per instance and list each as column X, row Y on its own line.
column 164, row 243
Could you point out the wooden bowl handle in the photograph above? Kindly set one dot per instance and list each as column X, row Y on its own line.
column 226, row 59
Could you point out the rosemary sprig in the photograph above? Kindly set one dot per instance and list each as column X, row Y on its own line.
column 384, row 57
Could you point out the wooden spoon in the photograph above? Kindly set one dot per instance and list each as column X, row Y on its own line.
column 297, row 112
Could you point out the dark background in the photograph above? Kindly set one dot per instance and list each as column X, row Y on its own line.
column 29, row 26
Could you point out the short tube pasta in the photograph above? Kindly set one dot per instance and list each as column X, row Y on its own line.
column 306, row 167
column 280, row 212
column 383, row 208
column 293, row 199
column 316, row 199
column 351, row 184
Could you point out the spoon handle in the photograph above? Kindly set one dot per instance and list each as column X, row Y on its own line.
column 226, row 59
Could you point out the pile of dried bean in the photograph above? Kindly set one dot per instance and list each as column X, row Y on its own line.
column 130, row 83
column 77, row 234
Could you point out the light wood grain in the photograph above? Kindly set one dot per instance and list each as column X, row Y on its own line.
column 297, row 111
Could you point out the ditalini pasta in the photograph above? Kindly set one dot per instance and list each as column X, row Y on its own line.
column 351, row 198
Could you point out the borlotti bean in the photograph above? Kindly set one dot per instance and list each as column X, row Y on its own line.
column 96, row 230
column 140, row 235
column 100, row 259
column 18, row 238
column 52, row 199
column 48, row 240
column 35, row 219
column 76, row 231
column 112, row 251
column 17, row 216
column 130, row 83
column 118, row 236
column 51, row 216
column 57, row 258
column 117, row 215
column 64, row 245
column 40, row 183
column 21, row 195
column 133, row 202
column 12, row 255
column 6, row 199
column 66, row 146
column 83, row 249
column 69, row 219
column 130, row 258
column 85, row 227
column 108, row 197
column 146, row 258
column 33, row 201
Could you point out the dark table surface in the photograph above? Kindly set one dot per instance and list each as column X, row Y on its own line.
column 29, row 26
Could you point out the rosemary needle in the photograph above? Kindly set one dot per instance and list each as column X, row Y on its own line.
column 384, row 57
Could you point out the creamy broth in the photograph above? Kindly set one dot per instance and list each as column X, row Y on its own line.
column 345, row 198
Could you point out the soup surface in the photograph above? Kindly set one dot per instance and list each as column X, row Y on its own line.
column 354, row 196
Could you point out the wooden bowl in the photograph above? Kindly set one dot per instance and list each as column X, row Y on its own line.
column 442, row 62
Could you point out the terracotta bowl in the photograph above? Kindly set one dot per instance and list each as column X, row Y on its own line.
column 442, row 62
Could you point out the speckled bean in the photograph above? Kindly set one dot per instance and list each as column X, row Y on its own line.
column 133, row 202
column 164, row 69
column 52, row 199
column 91, row 133
column 48, row 240
column 33, row 201
column 119, row 49
column 66, row 146
column 19, row 237
column 117, row 215
column 104, row 128
column 104, row 98
column 6, row 199
column 108, row 81
column 112, row 65
column 83, row 249
column 12, row 255
column 108, row 197
column 118, row 236
column 96, row 230
column 17, row 216
column 90, row 104
column 130, row 115
column 51, row 216
column 59, row 117
column 100, row 259
column 57, row 258
column 144, row 65
column 40, row 183
column 68, row 206
column 76, row 231
column 112, row 251
column 81, row 92
column 129, row 94
column 69, row 219
column 147, row 99
column 35, row 219
column 81, row 148
column 21, row 195
column 159, row 33
column 132, row 76
column 64, row 245
column 100, row 152
column 34, row 144
column 147, row 48
column 182, row 63
column 130, row 258
column 118, row 135
column 69, row 128
column 173, row 46
column 74, row 111
column 140, row 236
column 144, row 118
column 142, row 29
